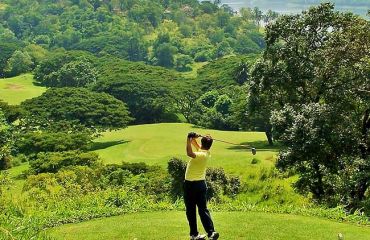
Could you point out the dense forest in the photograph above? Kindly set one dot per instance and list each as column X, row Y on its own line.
column 166, row 33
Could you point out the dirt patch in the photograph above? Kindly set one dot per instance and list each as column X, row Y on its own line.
column 12, row 86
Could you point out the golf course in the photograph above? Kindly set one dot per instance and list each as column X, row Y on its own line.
column 174, row 120
column 17, row 89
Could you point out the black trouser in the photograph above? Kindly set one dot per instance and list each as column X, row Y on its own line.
column 195, row 194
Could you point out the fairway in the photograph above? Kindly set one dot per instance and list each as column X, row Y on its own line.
column 231, row 225
column 155, row 144
column 17, row 89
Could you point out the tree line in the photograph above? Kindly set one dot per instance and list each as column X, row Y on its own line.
column 172, row 34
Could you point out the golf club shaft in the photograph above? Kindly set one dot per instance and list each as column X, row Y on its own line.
column 254, row 151
column 228, row 142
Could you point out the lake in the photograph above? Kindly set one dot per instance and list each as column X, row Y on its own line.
column 286, row 7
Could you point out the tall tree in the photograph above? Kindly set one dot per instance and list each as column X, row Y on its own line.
column 76, row 107
column 314, row 79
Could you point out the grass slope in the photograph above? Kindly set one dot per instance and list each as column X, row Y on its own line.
column 231, row 225
column 17, row 89
column 158, row 143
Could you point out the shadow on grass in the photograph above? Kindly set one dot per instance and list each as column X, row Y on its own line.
column 103, row 145
column 261, row 146
column 38, row 84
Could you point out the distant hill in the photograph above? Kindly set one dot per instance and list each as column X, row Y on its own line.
column 292, row 6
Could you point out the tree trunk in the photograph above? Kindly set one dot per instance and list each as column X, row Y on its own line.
column 268, row 132
column 364, row 147
column 318, row 189
column 363, row 184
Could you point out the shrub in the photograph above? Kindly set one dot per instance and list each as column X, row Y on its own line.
column 54, row 161
column 35, row 142
column 218, row 182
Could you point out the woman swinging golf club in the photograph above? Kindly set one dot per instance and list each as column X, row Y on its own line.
column 195, row 188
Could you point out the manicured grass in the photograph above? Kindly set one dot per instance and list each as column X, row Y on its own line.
column 231, row 225
column 158, row 143
column 17, row 89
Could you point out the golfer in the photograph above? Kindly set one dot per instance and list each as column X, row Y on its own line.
column 195, row 187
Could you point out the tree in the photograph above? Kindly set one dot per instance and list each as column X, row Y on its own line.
column 75, row 106
column 147, row 101
column 314, row 79
column 11, row 112
column 270, row 16
column 5, row 142
column 51, row 70
column 36, row 142
column 241, row 73
column 36, row 52
column 19, row 62
column 185, row 100
column 79, row 73
column 165, row 55
column 223, row 49
column 182, row 62
column 257, row 15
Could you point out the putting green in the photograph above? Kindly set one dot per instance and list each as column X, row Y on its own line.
column 231, row 225
column 158, row 143
column 17, row 89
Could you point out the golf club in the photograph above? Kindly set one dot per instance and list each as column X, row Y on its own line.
column 254, row 150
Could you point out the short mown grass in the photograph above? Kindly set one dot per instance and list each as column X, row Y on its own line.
column 231, row 225
column 17, row 89
column 156, row 144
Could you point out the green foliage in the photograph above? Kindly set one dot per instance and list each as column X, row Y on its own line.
column 164, row 55
column 7, row 49
column 35, row 142
column 18, row 63
column 11, row 112
column 130, row 45
column 5, row 142
column 223, row 72
column 37, row 53
column 125, row 29
column 317, row 96
column 218, row 183
column 146, row 90
column 52, row 162
column 79, row 73
column 76, row 106
column 182, row 62
column 220, row 109
column 67, row 69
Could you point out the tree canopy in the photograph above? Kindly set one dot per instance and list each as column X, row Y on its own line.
column 313, row 81
column 131, row 30
column 76, row 106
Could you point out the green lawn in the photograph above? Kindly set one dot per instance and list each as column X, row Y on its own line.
column 231, row 225
column 17, row 89
column 158, row 143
